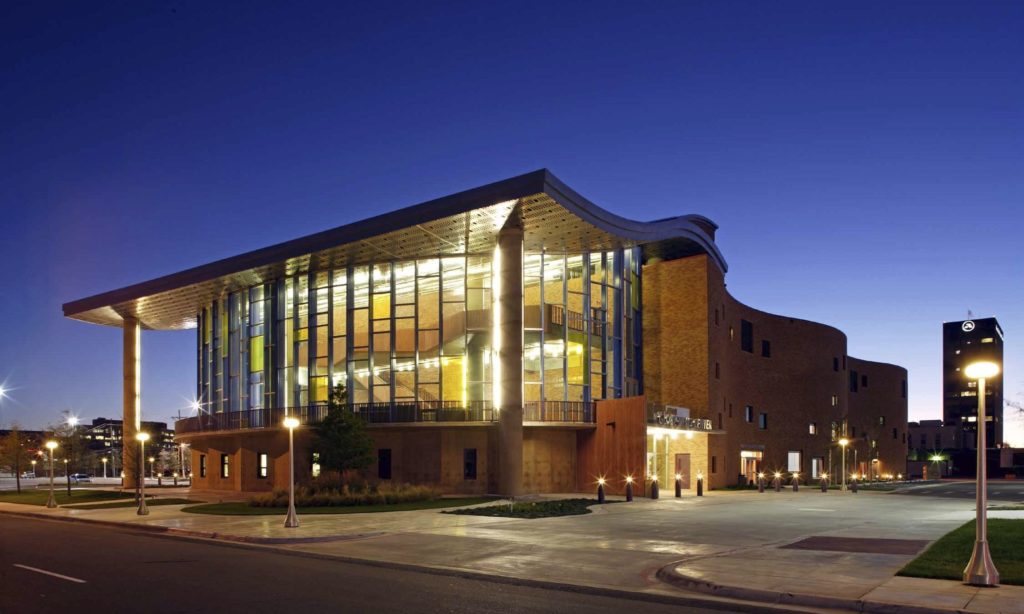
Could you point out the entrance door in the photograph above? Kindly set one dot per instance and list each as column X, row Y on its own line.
column 683, row 469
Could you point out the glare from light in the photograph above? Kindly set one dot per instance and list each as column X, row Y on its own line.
column 72, row 420
column 982, row 370
column 142, row 436
column 936, row 458
column 824, row 476
column 600, row 481
column 679, row 477
column 778, row 474
column 760, row 475
column 844, row 442
column 51, row 445
column 629, row 479
column 291, row 422
column 196, row 406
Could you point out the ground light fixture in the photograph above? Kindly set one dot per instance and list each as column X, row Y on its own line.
column 824, row 482
column 700, row 483
column 51, row 502
column 291, row 521
column 679, row 486
column 654, row 488
column 796, row 481
column 629, row 488
column 760, row 481
column 142, row 437
column 600, row 489
column 778, row 481
column 980, row 570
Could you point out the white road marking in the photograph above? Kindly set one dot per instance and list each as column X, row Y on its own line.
column 50, row 573
column 813, row 509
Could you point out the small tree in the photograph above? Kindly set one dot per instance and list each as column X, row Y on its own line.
column 13, row 453
column 341, row 436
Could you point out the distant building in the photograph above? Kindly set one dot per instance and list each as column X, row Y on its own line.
column 963, row 343
column 107, row 434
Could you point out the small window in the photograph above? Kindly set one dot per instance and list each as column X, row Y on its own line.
column 749, row 413
column 853, row 381
column 718, row 371
column 202, row 465
column 730, row 410
column 714, row 464
column 895, row 434
column 853, row 431
column 863, row 381
column 835, row 400
column 225, row 470
column 716, row 316
column 988, row 340
column 762, row 421
column 817, row 466
column 835, row 363
column 732, row 334
column 469, row 464
column 881, row 421
column 812, row 428
column 793, row 461
column 262, row 464
column 874, row 443
column 903, row 388
column 384, row 463
column 766, row 348
column 314, row 465
column 719, row 420
column 746, row 336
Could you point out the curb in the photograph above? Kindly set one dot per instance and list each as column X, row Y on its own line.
column 669, row 575
column 699, row 601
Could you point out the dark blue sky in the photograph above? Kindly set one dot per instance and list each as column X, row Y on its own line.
column 863, row 160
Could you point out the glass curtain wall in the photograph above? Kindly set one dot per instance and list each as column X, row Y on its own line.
column 420, row 331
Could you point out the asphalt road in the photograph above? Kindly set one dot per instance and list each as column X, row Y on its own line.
column 1001, row 491
column 51, row 566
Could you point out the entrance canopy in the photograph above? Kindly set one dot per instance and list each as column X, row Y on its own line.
column 554, row 216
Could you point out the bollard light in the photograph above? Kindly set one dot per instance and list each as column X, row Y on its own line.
column 760, row 481
column 679, row 486
column 778, row 481
column 824, row 482
column 629, row 488
column 654, row 489
column 796, row 481
column 843, row 443
column 600, row 490
column 700, row 484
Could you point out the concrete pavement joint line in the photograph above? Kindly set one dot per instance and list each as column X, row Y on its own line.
column 50, row 573
column 669, row 575
column 695, row 600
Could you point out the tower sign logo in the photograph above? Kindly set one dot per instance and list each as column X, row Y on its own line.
column 967, row 326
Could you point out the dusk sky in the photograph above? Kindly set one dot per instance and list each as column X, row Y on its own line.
column 865, row 161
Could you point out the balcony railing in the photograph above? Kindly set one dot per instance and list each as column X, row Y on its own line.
column 371, row 413
column 412, row 412
column 560, row 411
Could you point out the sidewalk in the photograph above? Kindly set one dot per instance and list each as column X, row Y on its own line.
column 725, row 546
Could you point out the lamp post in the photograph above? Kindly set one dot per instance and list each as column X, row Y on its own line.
column 292, row 520
column 143, row 510
column 842, row 444
column 980, row 570
column 51, row 446
column 33, row 461
column 152, row 467
column 104, row 461
column 73, row 423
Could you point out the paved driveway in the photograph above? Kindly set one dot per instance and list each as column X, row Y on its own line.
column 1001, row 491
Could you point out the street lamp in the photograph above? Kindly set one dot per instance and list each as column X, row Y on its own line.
column 292, row 520
column 143, row 510
column 152, row 467
column 843, row 443
column 73, row 423
column 104, row 461
column 33, row 461
column 980, row 570
column 51, row 446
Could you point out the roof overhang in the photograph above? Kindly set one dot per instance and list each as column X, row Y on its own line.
column 554, row 216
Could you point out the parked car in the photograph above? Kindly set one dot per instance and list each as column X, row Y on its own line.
column 80, row 477
column 27, row 475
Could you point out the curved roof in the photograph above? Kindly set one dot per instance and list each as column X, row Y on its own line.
column 554, row 217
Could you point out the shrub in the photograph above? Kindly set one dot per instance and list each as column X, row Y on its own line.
column 335, row 491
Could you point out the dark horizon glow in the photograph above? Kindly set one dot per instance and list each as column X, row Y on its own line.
column 863, row 161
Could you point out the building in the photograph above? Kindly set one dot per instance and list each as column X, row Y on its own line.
column 511, row 338
column 104, row 438
column 963, row 343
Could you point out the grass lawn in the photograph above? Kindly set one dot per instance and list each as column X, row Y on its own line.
column 242, row 508
column 947, row 557
column 39, row 497
column 537, row 509
column 149, row 503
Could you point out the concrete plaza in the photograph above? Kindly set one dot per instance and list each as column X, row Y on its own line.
column 734, row 545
